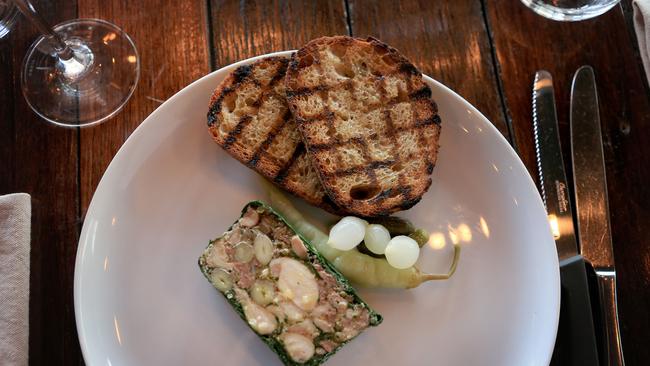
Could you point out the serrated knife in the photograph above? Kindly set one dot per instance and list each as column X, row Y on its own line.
column 576, row 342
column 590, row 185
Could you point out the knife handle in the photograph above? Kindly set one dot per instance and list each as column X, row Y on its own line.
column 576, row 339
column 607, row 292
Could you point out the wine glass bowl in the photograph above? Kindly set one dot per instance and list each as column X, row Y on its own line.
column 89, row 87
column 570, row 10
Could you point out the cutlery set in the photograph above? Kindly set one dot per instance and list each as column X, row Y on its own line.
column 591, row 249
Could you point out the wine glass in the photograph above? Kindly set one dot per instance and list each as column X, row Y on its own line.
column 570, row 10
column 78, row 73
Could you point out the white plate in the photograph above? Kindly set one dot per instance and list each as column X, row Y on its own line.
column 141, row 300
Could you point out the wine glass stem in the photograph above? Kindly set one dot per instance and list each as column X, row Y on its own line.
column 62, row 50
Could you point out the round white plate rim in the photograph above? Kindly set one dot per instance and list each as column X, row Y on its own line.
column 79, row 262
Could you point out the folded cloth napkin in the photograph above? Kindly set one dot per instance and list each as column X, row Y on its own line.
column 642, row 28
column 15, row 223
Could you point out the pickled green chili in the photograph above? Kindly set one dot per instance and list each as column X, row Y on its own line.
column 359, row 268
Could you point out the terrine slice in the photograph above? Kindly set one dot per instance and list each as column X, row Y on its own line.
column 288, row 294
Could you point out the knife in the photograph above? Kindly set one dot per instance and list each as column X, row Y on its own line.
column 576, row 343
column 590, row 185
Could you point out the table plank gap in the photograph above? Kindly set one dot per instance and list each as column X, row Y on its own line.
column 628, row 12
column 209, row 32
column 249, row 28
column 348, row 19
column 497, row 73
column 446, row 40
column 7, row 116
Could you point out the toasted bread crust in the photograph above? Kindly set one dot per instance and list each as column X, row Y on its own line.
column 367, row 120
column 249, row 118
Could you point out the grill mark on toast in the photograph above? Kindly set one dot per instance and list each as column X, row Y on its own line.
column 421, row 140
column 433, row 120
column 214, row 110
column 326, row 146
column 328, row 115
column 408, row 68
column 327, row 201
column 404, row 65
column 392, row 135
column 405, row 205
column 404, row 191
column 282, row 71
column 430, row 167
column 331, row 130
column 424, row 92
column 282, row 174
column 323, row 87
column 420, row 94
column 317, row 89
column 307, row 91
column 232, row 135
column 417, row 125
column 324, row 115
column 269, row 139
column 368, row 168
column 240, row 75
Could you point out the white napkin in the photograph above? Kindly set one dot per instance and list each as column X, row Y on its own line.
column 642, row 28
column 15, row 223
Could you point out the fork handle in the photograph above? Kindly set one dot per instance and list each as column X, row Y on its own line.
column 613, row 350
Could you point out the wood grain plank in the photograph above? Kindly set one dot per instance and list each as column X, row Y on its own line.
column 171, row 37
column 41, row 159
column 248, row 28
column 526, row 42
column 447, row 40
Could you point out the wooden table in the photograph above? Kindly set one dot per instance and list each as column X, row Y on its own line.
column 486, row 50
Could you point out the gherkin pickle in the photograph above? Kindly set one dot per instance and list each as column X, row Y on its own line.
column 395, row 225
column 421, row 236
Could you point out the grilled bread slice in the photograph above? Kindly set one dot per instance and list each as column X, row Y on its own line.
column 249, row 118
column 367, row 120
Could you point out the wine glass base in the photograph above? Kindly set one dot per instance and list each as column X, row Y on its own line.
column 88, row 89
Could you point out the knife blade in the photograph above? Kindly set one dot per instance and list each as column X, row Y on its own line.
column 550, row 166
column 590, row 185
column 576, row 343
